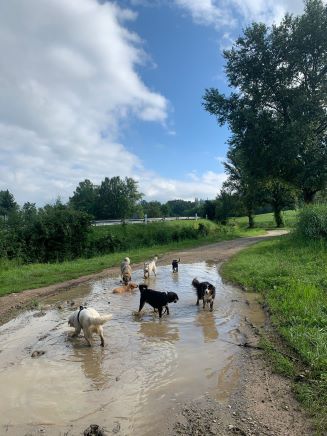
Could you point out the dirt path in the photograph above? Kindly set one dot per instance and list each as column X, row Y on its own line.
column 262, row 403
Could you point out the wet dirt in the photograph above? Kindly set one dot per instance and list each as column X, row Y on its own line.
column 184, row 374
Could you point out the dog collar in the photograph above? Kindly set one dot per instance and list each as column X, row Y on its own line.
column 80, row 310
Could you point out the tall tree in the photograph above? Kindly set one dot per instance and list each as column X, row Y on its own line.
column 7, row 203
column 277, row 112
column 118, row 198
column 86, row 198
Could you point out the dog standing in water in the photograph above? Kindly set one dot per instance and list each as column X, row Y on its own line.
column 205, row 291
column 90, row 321
column 158, row 300
column 126, row 270
column 174, row 264
column 150, row 267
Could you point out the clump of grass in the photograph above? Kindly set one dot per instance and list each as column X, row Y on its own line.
column 291, row 273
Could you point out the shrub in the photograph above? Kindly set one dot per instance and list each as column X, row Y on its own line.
column 312, row 222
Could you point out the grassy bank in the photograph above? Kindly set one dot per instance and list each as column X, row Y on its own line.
column 292, row 275
column 15, row 277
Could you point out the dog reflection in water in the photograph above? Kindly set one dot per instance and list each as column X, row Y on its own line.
column 206, row 321
column 90, row 321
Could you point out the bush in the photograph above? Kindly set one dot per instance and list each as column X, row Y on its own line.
column 312, row 222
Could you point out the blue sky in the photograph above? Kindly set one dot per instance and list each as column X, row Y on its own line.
column 93, row 89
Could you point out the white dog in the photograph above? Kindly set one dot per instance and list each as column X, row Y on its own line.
column 88, row 320
column 150, row 267
column 126, row 270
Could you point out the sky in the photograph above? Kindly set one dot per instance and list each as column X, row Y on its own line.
column 96, row 88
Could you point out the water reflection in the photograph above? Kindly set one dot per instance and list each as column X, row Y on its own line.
column 206, row 321
column 159, row 331
column 92, row 361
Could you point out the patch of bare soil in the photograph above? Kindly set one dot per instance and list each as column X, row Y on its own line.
column 262, row 403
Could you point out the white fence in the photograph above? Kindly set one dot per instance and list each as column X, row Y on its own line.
column 141, row 221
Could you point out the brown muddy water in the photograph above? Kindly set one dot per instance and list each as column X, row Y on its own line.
column 147, row 368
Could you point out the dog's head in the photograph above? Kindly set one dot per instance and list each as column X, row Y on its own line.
column 172, row 297
column 143, row 287
column 127, row 259
column 210, row 290
column 155, row 258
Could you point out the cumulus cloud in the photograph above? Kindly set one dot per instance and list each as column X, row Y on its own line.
column 205, row 186
column 68, row 78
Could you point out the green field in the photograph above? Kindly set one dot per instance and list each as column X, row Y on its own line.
column 292, row 275
column 266, row 220
column 15, row 277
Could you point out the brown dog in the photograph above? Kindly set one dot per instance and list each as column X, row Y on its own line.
column 125, row 288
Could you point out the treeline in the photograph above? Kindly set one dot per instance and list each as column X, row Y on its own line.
column 276, row 112
column 60, row 231
column 117, row 198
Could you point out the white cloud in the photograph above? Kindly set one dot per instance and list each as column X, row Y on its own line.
column 205, row 186
column 68, row 77
column 220, row 13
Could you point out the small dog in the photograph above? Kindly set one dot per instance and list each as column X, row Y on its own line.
column 126, row 270
column 150, row 267
column 158, row 300
column 205, row 291
column 90, row 321
column 126, row 288
column 174, row 264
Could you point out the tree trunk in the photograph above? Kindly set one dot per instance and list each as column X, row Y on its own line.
column 251, row 219
column 308, row 196
column 278, row 217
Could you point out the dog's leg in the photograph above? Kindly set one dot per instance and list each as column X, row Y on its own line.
column 167, row 310
column 101, row 336
column 160, row 311
column 76, row 332
column 204, row 304
column 155, row 270
column 142, row 303
column 211, row 305
column 88, row 341
column 198, row 301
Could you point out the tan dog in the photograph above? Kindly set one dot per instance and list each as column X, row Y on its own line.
column 126, row 288
column 88, row 320
column 126, row 270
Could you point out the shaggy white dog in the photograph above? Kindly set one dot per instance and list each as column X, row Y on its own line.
column 150, row 267
column 90, row 321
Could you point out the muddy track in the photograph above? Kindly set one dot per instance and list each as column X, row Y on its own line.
column 261, row 403
column 13, row 303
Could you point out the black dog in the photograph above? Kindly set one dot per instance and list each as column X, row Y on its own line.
column 158, row 300
column 174, row 264
column 205, row 291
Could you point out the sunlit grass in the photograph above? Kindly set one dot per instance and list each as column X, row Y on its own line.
column 266, row 220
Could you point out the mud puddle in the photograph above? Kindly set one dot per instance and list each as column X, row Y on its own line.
column 147, row 368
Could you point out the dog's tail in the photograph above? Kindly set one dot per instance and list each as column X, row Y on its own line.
column 195, row 283
column 100, row 320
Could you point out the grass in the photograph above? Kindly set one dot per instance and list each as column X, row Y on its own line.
column 15, row 277
column 292, row 275
column 266, row 220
